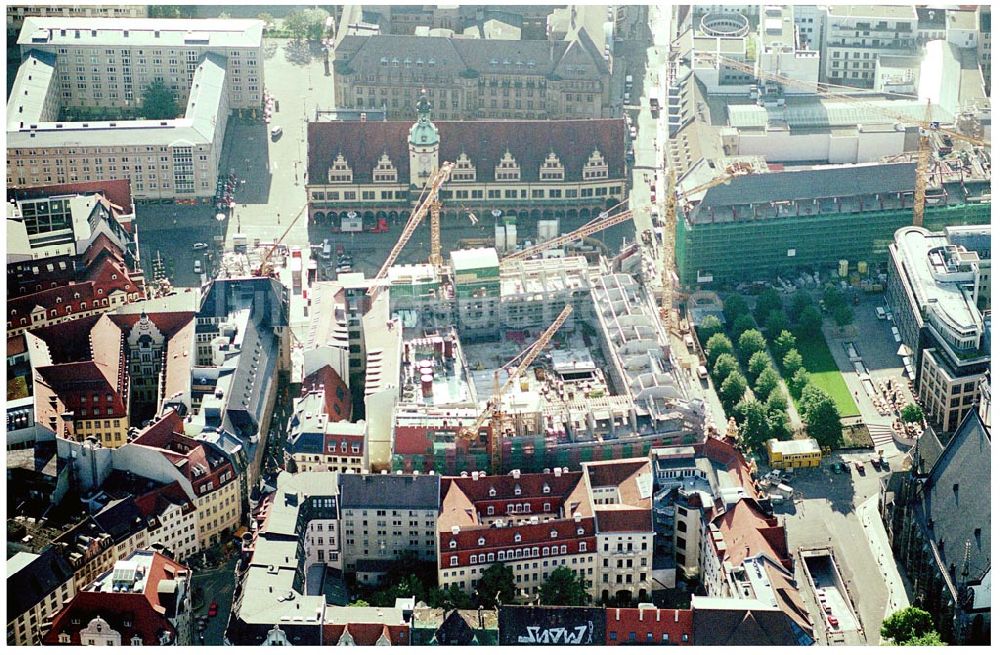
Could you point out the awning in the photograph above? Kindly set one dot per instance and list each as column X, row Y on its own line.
column 904, row 350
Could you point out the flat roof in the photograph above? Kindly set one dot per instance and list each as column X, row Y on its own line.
column 31, row 86
column 475, row 258
column 794, row 446
column 899, row 12
column 197, row 126
column 169, row 33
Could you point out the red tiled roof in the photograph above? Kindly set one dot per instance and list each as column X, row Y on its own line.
column 484, row 142
column 531, row 485
column 16, row 345
column 729, row 456
column 749, row 532
column 184, row 452
column 539, row 534
column 624, row 520
column 623, row 474
column 336, row 408
column 131, row 614
column 675, row 623
column 154, row 502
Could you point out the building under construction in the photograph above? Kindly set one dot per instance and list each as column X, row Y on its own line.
column 605, row 386
column 783, row 220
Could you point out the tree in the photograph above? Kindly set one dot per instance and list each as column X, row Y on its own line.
column 315, row 22
column 732, row 389
column 742, row 324
column 767, row 302
column 361, row 602
column 906, row 624
column 717, row 345
column 450, row 597
column 734, row 307
column 724, row 365
column 754, row 430
column 931, row 638
column 172, row 11
column 159, row 102
column 821, row 417
column 792, row 361
column 777, row 400
column 800, row 301
column 497, row 579
column 297, row 25
column 750, row 342
column 776, row 323
column 833, row 298
column 777, row 423
column 759, row 362
column 709, row 326
column 843, row 315
column 564, row 588
column 768, row 381
column 783, row 343
column 267, row 19
column 810, row 322
column 912, row 414
column 798, row 382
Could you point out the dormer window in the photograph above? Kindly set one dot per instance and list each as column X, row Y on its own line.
column 340, row 172
column 546, row 488
column 452, row 544
column 517, row 490
column 552, row 170
column 553, row 534
column 385, row 171
column 507, row 170
column 596, row 167
column 517, row 537
column 482, row 541
column 579, row 530
column 464, row 170
column 493, row 492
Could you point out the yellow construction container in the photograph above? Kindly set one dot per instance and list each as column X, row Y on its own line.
column 863, row 268
column 842, row 268
column 797, row 453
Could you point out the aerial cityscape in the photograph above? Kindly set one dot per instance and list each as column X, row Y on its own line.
column 493, row 325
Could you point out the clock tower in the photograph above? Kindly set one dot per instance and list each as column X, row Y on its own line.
column 424, row 145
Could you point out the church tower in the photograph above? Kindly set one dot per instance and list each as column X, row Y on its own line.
column 424, row 145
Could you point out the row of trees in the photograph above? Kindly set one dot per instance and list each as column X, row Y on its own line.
column 496, row 586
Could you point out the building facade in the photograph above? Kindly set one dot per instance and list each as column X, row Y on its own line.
column 855, row 36
column 469, row 79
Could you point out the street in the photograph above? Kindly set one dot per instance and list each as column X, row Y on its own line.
column 215, row 585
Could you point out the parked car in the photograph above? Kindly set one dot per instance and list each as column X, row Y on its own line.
column 276, row 132
column 197, row 267
column 199, row 246
column 834, row 623
column 880, row 313
column 876, row 462
column 860, row 466
column 213, row 609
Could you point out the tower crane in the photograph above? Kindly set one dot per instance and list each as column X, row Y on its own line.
column 428, row 203
column 602, row 222
column 670, row 235
column 493, row 411
column 927, row 125
column 265, row 266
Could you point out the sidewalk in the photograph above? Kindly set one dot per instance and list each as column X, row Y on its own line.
column 878, row 541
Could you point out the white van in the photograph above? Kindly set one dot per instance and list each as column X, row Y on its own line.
column 895, row 335
column 197, row 267
column 880, row 313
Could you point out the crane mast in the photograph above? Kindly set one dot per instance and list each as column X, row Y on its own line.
column 428, row 198
column 669, row 235
column 923, row 168
column 493, row 411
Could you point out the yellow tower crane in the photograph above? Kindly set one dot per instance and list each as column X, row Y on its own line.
column 602, row 222
column 493, row 411
column 927, row 125
column 428, row 203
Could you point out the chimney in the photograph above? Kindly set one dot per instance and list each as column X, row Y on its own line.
column 475, row 475
column 454, row 529
column 577, row 517
column 558, row 472
column 516, row 473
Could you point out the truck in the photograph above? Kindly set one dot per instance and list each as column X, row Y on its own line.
column 783, row 490
column 240, row 243
column 654, row 106
column 381, row 226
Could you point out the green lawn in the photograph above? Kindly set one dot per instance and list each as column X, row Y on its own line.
column 823, row 372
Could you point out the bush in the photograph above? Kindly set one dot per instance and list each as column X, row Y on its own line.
column 750, row 342
column 912, row 414
column 792, row 361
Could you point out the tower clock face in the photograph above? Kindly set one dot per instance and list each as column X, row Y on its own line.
column 425, row 159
